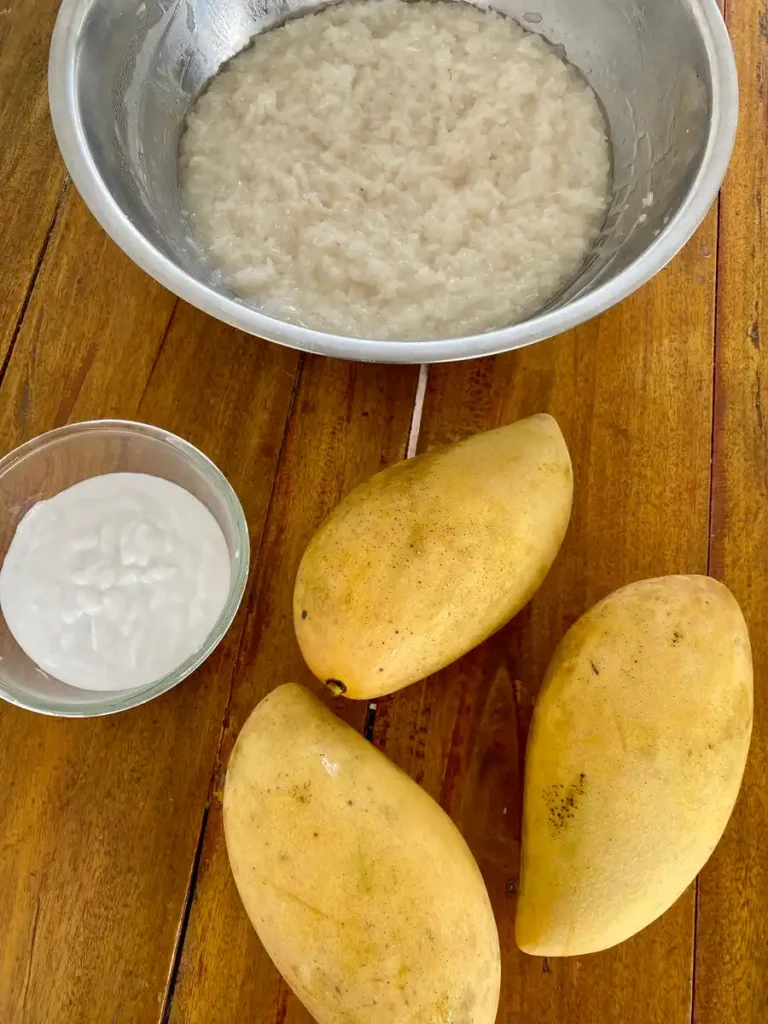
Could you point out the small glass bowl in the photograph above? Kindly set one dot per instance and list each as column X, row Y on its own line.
column 51, row 462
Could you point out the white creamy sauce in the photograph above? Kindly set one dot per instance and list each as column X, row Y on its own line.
column 114, row 582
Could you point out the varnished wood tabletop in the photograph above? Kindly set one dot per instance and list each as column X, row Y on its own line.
column 116, row 901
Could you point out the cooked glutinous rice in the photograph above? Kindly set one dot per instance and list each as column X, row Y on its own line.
column 396, row 170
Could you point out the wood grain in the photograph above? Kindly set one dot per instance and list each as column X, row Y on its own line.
column 99, row 820
column 348, row 421
column 732, row 944
column 90, row 336
column 31, row 171
column 632, row 392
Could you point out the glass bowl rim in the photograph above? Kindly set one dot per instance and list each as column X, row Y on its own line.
column 124, row 700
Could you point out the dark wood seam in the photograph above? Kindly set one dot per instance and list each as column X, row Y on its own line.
column 181, row 935
column 33, row 278
column 156, row 360
column 215, row 769
column 710, row 517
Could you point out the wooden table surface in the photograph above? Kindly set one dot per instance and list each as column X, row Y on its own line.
column 116, row 900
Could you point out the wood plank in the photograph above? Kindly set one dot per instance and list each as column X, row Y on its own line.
column 100, row 819
column 349, row 420
column 632, row 392
column 732, row 939
column 30, row 167
column 90, row 335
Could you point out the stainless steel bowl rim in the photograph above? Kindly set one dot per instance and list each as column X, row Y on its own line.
column 70, row 137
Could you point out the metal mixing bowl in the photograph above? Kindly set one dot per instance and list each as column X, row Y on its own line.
column 123, row 74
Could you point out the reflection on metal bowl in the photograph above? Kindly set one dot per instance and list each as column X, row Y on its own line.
column 122, row 79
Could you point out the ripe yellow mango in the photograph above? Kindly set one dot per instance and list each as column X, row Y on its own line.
column 360, row 887
column 635, row 757
column 430, row 557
